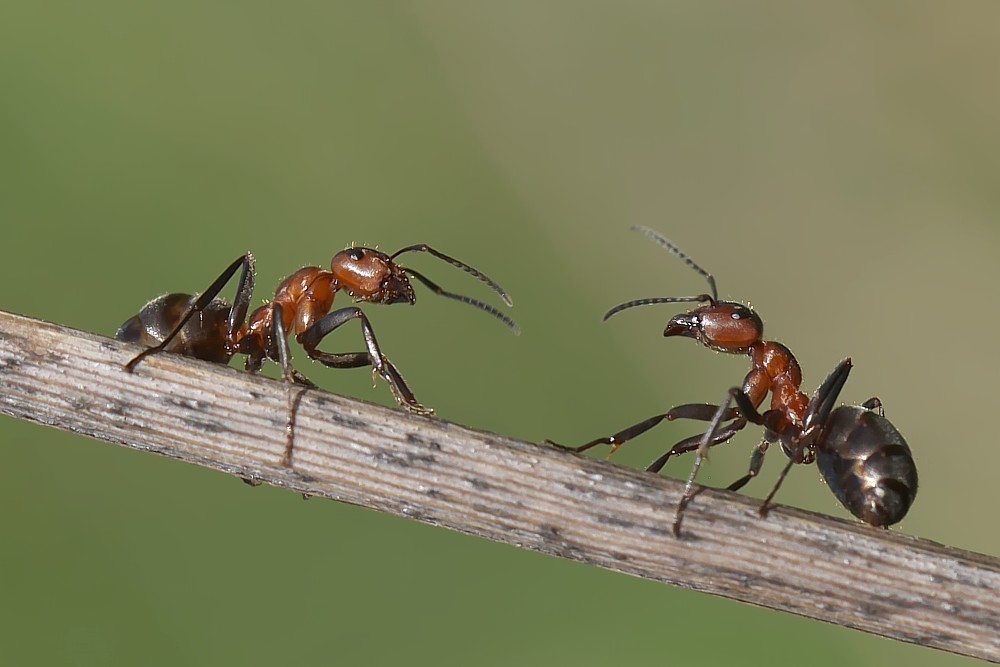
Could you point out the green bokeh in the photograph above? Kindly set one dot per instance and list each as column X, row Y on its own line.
column 837, row 165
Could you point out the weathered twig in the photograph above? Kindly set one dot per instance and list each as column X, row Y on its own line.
column 503, row 489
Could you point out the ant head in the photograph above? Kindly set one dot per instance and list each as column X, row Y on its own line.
column 371, row 275
column 724, row 326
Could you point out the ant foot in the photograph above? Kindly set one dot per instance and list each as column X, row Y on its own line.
column 417, row 409
column 300, row 379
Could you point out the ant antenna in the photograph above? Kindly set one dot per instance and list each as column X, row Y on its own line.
column 437, row 289
column 680, row 253
column 503, row 317
column 423, row 247
column 701, row 298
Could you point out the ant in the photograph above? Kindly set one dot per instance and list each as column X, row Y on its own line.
column 302, row 304
column 863, row 458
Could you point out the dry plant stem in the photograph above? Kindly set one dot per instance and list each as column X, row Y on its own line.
column 507, row 490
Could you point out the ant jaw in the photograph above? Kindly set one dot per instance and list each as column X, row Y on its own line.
column 397, row 297
column 687, row 325
column 396, row 289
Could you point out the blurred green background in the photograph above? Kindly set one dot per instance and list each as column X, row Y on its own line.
column 837, row 165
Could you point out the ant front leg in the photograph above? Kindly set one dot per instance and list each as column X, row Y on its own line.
column 694, row 442
column 700, row 411
column 748, row 413
column 237, row 314
column 373, row 357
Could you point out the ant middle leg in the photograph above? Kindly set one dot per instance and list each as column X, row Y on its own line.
column 290, row 376
column 821, row 405
column 699, row 411
column 373, row 357
column 756, row 461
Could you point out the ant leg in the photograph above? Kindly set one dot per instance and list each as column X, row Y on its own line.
column 256, row 352
column 254, row 362
column 796, row 456
column 244, row 291
column 703, row 445
column 764, row 506
column 373, row 357
column 822, row 402
column 256, row 355
column 756, row 461
column 874, row 403
column 401, row 391
column 747, row 412
column 700, row 411
column 238, row 309
column 820, row 407
column 694, row 442
column 290, row 377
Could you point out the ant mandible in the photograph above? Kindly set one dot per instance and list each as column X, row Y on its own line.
column 863, row 458
column 301, row 304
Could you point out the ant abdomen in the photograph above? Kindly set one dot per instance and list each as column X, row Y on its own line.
column 867, row 464
column 201, row 337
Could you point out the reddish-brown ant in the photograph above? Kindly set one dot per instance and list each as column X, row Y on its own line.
column 863, row 458
column 301, row 304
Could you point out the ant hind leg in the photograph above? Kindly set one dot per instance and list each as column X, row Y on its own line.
column 236, row 314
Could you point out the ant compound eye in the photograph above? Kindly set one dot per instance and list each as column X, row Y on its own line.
column 355, row 253
column 741, row 313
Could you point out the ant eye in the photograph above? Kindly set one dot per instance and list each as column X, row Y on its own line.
column 355, row 253
column 737, row 315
